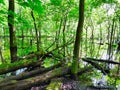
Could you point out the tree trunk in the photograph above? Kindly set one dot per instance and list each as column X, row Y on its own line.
column 2, row 59
column 13, row 43
column 78, row 39
column 57, row 38
column 37, row 80
column 64, row 38
column 27, row 83
column 25, row 75
column 36, row 32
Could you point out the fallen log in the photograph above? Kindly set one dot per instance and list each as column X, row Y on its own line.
column 28, row 83
column 44, row 54
column 97, row 66
column 5, row 68
column 31, row 55
column 101, row 60
column 28, row 74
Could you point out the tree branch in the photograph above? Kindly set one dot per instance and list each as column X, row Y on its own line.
column 100, row 60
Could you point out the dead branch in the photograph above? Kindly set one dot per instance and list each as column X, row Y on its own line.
column 101, row 60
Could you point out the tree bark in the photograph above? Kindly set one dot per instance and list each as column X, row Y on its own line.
column 75, row 62
column 37, row 80
column 25, row 75
column 27, row 83
column 2, row 59
column 13, row 43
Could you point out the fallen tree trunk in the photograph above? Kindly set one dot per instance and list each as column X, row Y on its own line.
column 28, row 74
column 31, row 55
column 101, row 60
column 97, row 66
column 5, row 68
column 28, row 83
column 43, row 54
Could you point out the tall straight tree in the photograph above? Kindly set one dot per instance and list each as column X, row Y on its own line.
column 75, row 62
column 13, row 43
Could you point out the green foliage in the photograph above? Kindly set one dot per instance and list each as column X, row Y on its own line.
column 24, row 4
column 2, row 2
column 1, row 20
column 26, row 51
column 111, row 81
column 6, row 55
column 49, row 19
column 36, row 6
column 49, row 62
column 56, row 2
column 74, row 13
column 2, row 12
column 54, row 85
column 86, row 79
column 2, row 66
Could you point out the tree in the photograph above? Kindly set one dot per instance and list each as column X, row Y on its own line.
column 2, row 59
column 13, row 44
column 75, row 62
column 50, row 30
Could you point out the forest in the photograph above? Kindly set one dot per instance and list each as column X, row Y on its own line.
column 59, row 44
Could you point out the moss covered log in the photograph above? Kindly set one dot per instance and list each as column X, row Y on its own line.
column 37, row 80
column 28, row 74
column 5, row 68
column 27, row 83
